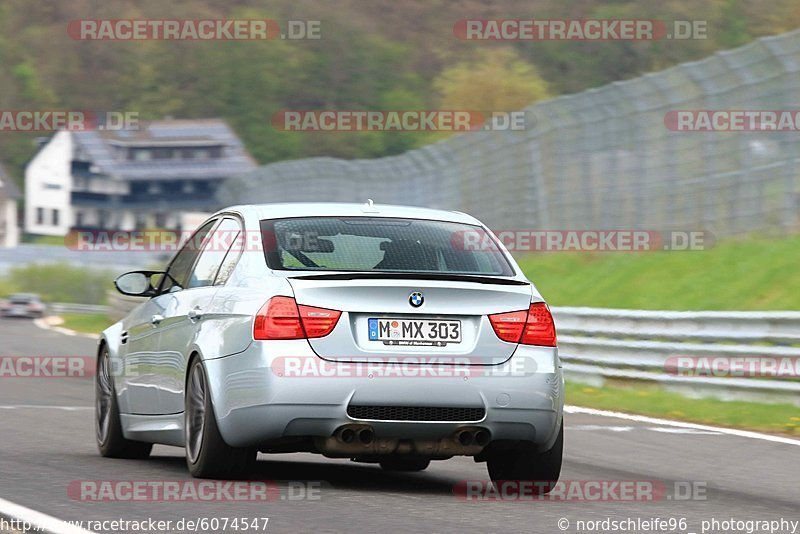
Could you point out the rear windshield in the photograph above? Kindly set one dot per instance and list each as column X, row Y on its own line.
column 377, row 244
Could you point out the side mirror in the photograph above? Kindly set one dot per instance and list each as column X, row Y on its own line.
column 137, row 283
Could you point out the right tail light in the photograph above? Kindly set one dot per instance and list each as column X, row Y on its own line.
column 532, row 327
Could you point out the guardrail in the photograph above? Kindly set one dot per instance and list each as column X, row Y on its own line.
column 598, row 345
column 67, row 307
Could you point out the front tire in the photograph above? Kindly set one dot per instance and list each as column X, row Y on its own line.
column 514, row 466
column 108, row 428
column 207, row 454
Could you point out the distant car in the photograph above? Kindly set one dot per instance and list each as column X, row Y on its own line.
column 22, row 305
column 248, row 345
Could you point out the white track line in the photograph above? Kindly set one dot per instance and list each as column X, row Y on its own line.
column 680, row 424
column 39, row 521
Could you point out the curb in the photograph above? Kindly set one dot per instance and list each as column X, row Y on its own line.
column 44, row 325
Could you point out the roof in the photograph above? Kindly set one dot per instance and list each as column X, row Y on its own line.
column 8, row 189
column 96, row 146
column 341, row 209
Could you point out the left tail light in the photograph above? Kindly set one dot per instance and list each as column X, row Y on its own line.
column 282, row 318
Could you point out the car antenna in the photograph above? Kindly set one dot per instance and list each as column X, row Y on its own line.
column 369, row 207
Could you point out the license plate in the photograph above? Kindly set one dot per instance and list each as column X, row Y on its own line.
column 414, row 332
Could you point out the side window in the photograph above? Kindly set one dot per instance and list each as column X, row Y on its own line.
column 181, row 265
column 214, row 252
column 230, row 261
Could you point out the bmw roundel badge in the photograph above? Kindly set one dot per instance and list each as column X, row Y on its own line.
column 416, row 299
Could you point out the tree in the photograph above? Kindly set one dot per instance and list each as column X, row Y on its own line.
column 496, row 79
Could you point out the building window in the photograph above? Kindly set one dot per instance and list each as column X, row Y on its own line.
column 55, row 217
column 39, row 215
column 141, row 155
column 79, row 219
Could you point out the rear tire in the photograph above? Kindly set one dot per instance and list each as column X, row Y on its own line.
column 108, row 428
column 207, row 454
column 405, row 463
column 514, row 466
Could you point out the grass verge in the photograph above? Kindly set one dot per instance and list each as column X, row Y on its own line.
column 650, row 400
column 86, row 323
column 736, row 274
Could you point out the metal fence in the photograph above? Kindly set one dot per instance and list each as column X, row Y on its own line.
column 119, row 261
column 69, row 307
column 727, row 355
column 600, row 159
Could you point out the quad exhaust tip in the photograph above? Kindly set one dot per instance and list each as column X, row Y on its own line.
column 364, row 435
column 482, row 437
column 465, row 437
column 347, row 435
column 469, row 437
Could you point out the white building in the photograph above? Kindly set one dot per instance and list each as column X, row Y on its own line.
column 9, row 194
column 130, row 179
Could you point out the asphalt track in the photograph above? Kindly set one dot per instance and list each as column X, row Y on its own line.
column 47, row 444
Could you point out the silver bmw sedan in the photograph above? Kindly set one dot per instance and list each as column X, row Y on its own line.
column 384, row 334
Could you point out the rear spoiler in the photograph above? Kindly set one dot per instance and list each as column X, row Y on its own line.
column 415, row 276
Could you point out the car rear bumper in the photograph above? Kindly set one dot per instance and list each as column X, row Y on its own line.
column 25, row 314
column 257, row 398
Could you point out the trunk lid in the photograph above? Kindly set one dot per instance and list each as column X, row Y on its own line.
column 379, row 322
